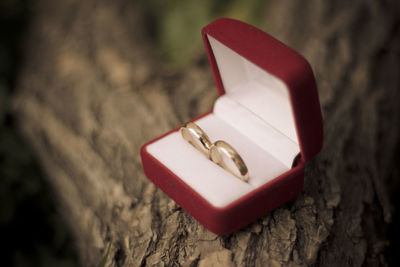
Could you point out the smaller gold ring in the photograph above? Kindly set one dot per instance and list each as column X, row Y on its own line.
column 238, row 168
column 196, row 137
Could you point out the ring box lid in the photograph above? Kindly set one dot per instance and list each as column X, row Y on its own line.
column 270, row 79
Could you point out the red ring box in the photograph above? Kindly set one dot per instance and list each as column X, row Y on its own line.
column 267, row 109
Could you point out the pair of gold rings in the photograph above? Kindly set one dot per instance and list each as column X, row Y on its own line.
column 219, row 152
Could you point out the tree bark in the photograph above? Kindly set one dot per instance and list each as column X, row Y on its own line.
column 89, row 94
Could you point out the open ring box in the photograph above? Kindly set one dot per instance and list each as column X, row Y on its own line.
column 267, row 109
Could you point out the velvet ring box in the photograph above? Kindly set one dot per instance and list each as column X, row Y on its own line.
column 267, row 109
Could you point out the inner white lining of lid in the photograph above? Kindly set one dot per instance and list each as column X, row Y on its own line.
column 255, row 89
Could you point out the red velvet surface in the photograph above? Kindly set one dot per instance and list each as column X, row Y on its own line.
column 281, row 61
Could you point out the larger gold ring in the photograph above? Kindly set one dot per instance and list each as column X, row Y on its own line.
column 219, row 152
column 226, row 156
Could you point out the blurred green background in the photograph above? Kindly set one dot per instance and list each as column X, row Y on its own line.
column 175, row 25
column 32, row 231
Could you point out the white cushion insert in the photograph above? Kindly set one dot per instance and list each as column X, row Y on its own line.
column 212, row 182
column 254, row 88
column 255, row 129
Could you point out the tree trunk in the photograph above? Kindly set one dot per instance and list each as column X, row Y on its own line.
column 89, row 94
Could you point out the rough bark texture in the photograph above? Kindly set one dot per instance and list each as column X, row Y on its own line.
column 90, row 94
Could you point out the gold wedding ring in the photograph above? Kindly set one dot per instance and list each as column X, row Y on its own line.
column 197, row 138
column 219, row 152
column 224, row 155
